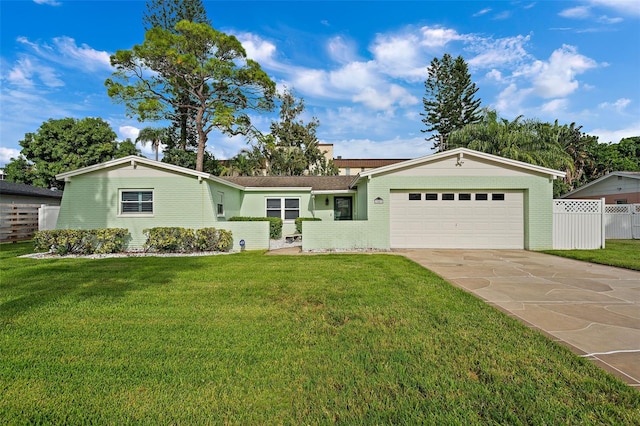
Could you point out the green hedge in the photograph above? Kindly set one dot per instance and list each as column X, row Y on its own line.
column 275, row 224
column 302, row 219
column 183, row 240
column 82, row 241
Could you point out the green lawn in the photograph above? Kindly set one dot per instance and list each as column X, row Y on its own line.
column 621, row 253
column 252, row 339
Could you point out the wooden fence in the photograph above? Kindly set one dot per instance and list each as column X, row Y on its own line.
column 18, row 222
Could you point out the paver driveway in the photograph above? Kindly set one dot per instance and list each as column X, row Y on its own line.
column 594, row 309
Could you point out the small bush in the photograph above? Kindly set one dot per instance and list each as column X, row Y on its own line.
column 169, row 240
column 275, row 224
column 81, row 241
column 212, row 239
column 302, row 219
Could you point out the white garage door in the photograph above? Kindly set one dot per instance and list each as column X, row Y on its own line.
column 457, row 219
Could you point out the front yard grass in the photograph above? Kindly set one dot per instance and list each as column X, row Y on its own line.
column 253, row 339
column 621, row 253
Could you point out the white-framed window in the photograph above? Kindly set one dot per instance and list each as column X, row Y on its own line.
column 136, row 202
column 284, row 208
column 220, row 204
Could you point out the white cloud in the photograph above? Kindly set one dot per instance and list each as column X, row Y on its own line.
column 604, row 19
column 494, row 74
column 498, row 52
column 6, row 154
column 386, row 148
column 482, row 12
column 578, row 12
column 619, row 105
column 503, row 15
column 399, row 55
column 557, row 76
column 258, row 49
column 385, row 99
column 555, row 106
column 128, row 132
column 614, row 136
column 628, row 7
column 341, row 50
column 48, row 2
column 438, row 37
column 64, row 51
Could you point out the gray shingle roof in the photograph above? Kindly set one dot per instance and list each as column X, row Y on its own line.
column 316, row 183
column 11, row 188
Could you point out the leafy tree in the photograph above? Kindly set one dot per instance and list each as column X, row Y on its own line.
column 449, row 102
column 126, row 148
column 523, row 140
column 166, row 14
column 291, row 149
column 187, row 159
column 155, row 135
column 60, row 146
column 208, row 65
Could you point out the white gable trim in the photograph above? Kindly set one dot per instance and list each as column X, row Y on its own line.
column 133, row 160
column 601, row 179
column 460, row 153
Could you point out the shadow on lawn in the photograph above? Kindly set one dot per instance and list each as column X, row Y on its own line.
column 28, row 283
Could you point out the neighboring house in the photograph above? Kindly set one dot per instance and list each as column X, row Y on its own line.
column 20, row 193
column 353, row 166
column 615, row 188
column 455, row 199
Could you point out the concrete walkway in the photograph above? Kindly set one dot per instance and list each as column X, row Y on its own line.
column 594, row 309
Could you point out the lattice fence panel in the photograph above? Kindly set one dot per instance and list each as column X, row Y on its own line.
column 577, row 206
column 618, row 209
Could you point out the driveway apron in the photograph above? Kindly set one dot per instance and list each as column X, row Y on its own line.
column 593, row 309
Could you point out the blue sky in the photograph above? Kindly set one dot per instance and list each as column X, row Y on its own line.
column 360, row 66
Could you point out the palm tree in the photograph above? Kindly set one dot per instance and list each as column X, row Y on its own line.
column 155, row 135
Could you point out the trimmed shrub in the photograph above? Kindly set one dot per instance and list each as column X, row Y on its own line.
column 169, row 240
column 275, row 224
column 302, row 219
column 81, row 241
column 212, row 239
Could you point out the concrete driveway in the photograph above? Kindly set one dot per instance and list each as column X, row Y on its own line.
column 594, row 309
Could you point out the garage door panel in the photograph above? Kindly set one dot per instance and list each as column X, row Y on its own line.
column 457, row 223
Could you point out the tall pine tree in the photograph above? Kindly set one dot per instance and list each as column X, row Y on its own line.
column 449, row 101
column 166, row 14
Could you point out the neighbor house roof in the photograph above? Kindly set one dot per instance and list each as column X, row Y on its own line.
column 630, row 175
column 460, row 153
column 366, row 162
column 11, row 188
column 313, row 183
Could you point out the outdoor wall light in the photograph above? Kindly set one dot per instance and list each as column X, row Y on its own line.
column 378, row 200
column 326, row 201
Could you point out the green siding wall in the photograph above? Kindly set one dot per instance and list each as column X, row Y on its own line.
column 538, row 215
column 91, row 202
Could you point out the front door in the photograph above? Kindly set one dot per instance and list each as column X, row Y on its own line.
column 342, row 208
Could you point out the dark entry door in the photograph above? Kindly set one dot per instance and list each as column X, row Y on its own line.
column 342, row 208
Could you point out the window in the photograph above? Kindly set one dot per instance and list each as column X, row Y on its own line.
column 497, row 197
column 448, row 197
column 430, row 196
column 284, row 208
column 482, row 197
column 415, row 196
column 347, row 171
column 621, row 201
column 220, row 204
column 136, row 202
column 464, row 197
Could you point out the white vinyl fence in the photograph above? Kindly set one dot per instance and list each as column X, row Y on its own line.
column 578, row 224
column 585, row 224
column 622, row 221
